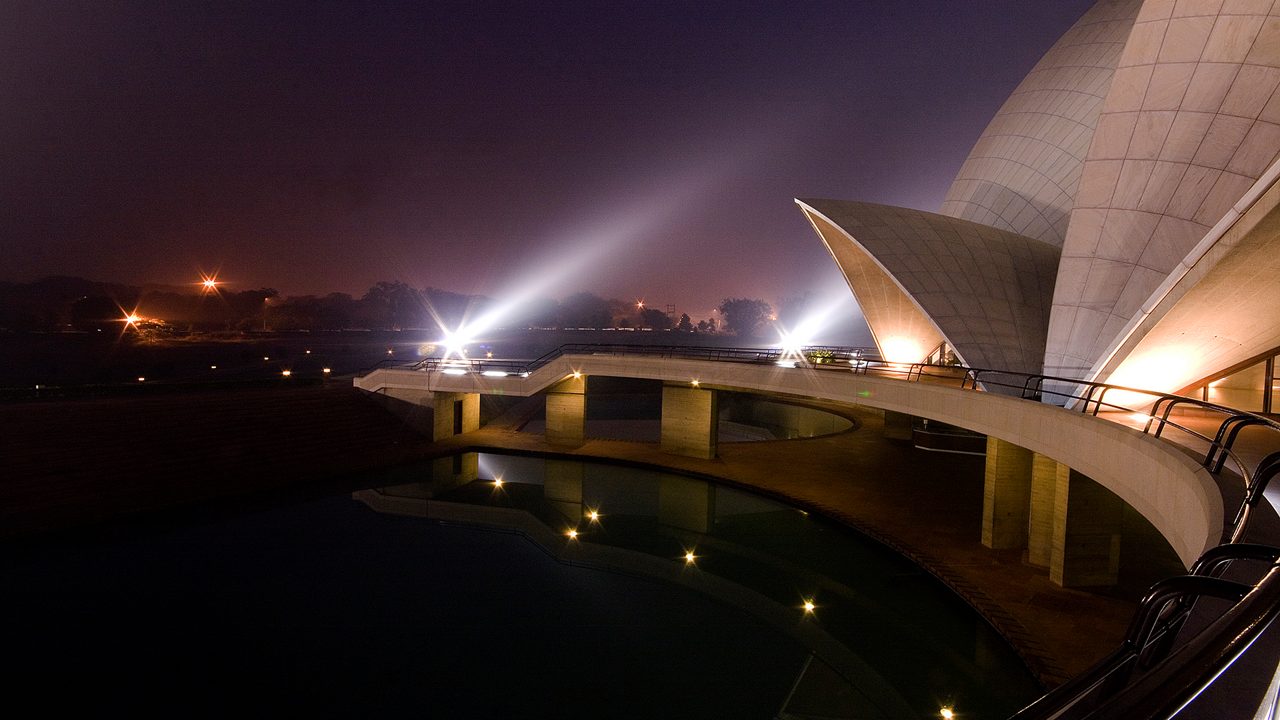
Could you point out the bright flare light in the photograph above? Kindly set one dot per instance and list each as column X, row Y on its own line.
column 1160, row 370
column 455, row 342
column 594, row 516
column 899, row 349
column 689, row 557
column 494, row 373
column 286, row 373
column 572, row 534
column 809, row 607
column 497, row 482
column 947, row 713
column 132, row 319
column 454, row 371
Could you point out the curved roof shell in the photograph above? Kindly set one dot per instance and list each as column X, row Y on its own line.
column 1190, row 123
column 1023, row 172
column 926, row 277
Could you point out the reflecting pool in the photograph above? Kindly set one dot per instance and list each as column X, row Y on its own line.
column 488, row 585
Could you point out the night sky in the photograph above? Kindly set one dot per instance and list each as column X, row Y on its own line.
column 636, row 150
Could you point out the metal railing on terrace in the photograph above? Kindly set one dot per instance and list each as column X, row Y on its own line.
column 1160, row 668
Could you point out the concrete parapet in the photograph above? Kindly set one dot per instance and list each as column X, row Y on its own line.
column 1156, row 478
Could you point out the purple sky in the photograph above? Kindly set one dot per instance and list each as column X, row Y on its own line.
column 477, row 147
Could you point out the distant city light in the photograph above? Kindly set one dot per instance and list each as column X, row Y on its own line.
column 326, row 371
column 308, row 352
column 213, row 367
column 264, row 357
column 141, row 379
column 132, row 319
column 640, row 304
column 286, row 373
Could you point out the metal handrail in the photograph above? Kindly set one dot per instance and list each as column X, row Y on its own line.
column 1148, row 675
column 1149, row 641
column 865, row 361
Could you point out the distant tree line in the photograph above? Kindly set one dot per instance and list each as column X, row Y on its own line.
column 73, row 303
column 63, row 302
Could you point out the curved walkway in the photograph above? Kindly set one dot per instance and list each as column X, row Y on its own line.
column 1176, row 495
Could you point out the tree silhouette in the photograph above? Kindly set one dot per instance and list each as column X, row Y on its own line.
column 743, row 317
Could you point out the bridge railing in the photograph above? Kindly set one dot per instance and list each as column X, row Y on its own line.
column 1156, row 672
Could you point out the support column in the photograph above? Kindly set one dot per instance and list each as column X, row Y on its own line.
column 686, row 504
column 455, row 413
column 562, row 488
column 689, row 421
column 1006, row 495
column 897, row 426
column 1087, row 520
column 1045, row 475
column 567, row 411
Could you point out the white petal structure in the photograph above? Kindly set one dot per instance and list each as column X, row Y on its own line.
column 1144, row 145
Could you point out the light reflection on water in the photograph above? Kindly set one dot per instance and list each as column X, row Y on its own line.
column 444, row 594
column 868, row 634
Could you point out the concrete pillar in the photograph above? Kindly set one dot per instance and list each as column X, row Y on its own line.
column 567, row 411
column 689, row 421
column 455, row 413
column 451, row 472
column 562, row 488
column 686, row 504
column 897, row 426
column 1087, row 519
column 1045, row 474
column 1006, row 495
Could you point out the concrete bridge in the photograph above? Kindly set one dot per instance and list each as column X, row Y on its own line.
column 1046, row 466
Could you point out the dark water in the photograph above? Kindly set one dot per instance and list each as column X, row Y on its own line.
column 442, row 595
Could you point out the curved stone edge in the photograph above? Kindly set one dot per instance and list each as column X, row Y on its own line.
column 1172, row 491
